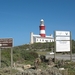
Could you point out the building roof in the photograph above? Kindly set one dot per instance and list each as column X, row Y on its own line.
column 47, row 37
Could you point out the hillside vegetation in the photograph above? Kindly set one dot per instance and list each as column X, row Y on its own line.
column 27, row 52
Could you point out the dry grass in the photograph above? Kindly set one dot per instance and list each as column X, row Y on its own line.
column 7, row 71
column 41, row 52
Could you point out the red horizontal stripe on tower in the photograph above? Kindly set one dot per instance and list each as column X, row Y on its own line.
column 42, row 27
column 42, row 35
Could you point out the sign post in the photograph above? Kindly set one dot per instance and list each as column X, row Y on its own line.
column 54, row 48
column 11, row 60
column 70, row 46
column 7, row 43
column 0, row 57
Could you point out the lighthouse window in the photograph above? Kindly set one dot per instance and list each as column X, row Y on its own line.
column 37, row 39
column 42, row 40
column 46, row 40
column 51, row 41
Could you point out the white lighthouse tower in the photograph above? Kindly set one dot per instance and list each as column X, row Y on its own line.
column 42, row 28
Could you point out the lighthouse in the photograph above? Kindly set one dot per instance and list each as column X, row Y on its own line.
column 41, row 37
column 42, row 28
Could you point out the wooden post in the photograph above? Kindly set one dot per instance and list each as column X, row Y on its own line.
column 0, row 57
column 11, row 59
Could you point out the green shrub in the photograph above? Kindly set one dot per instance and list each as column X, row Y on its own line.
column 27, row 55
column 34, row 54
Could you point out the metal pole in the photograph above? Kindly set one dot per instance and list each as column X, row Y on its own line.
column 11, row 60
column 0, row 57
column 70, row 47
column 54, row 48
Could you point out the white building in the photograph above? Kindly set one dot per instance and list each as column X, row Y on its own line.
column 41, row 38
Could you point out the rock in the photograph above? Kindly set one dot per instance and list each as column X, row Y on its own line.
column 26, row 66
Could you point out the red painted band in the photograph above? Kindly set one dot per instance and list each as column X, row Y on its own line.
column 42, row 35
column 42, row 27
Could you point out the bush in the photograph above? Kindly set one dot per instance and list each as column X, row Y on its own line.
column 34, row 54
column 27, row 55
column 73, row 50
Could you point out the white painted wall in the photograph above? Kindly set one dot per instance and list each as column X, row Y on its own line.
column 38, row 38
column 43, row 40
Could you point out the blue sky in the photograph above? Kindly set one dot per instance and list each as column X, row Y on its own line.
column 20, row 17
